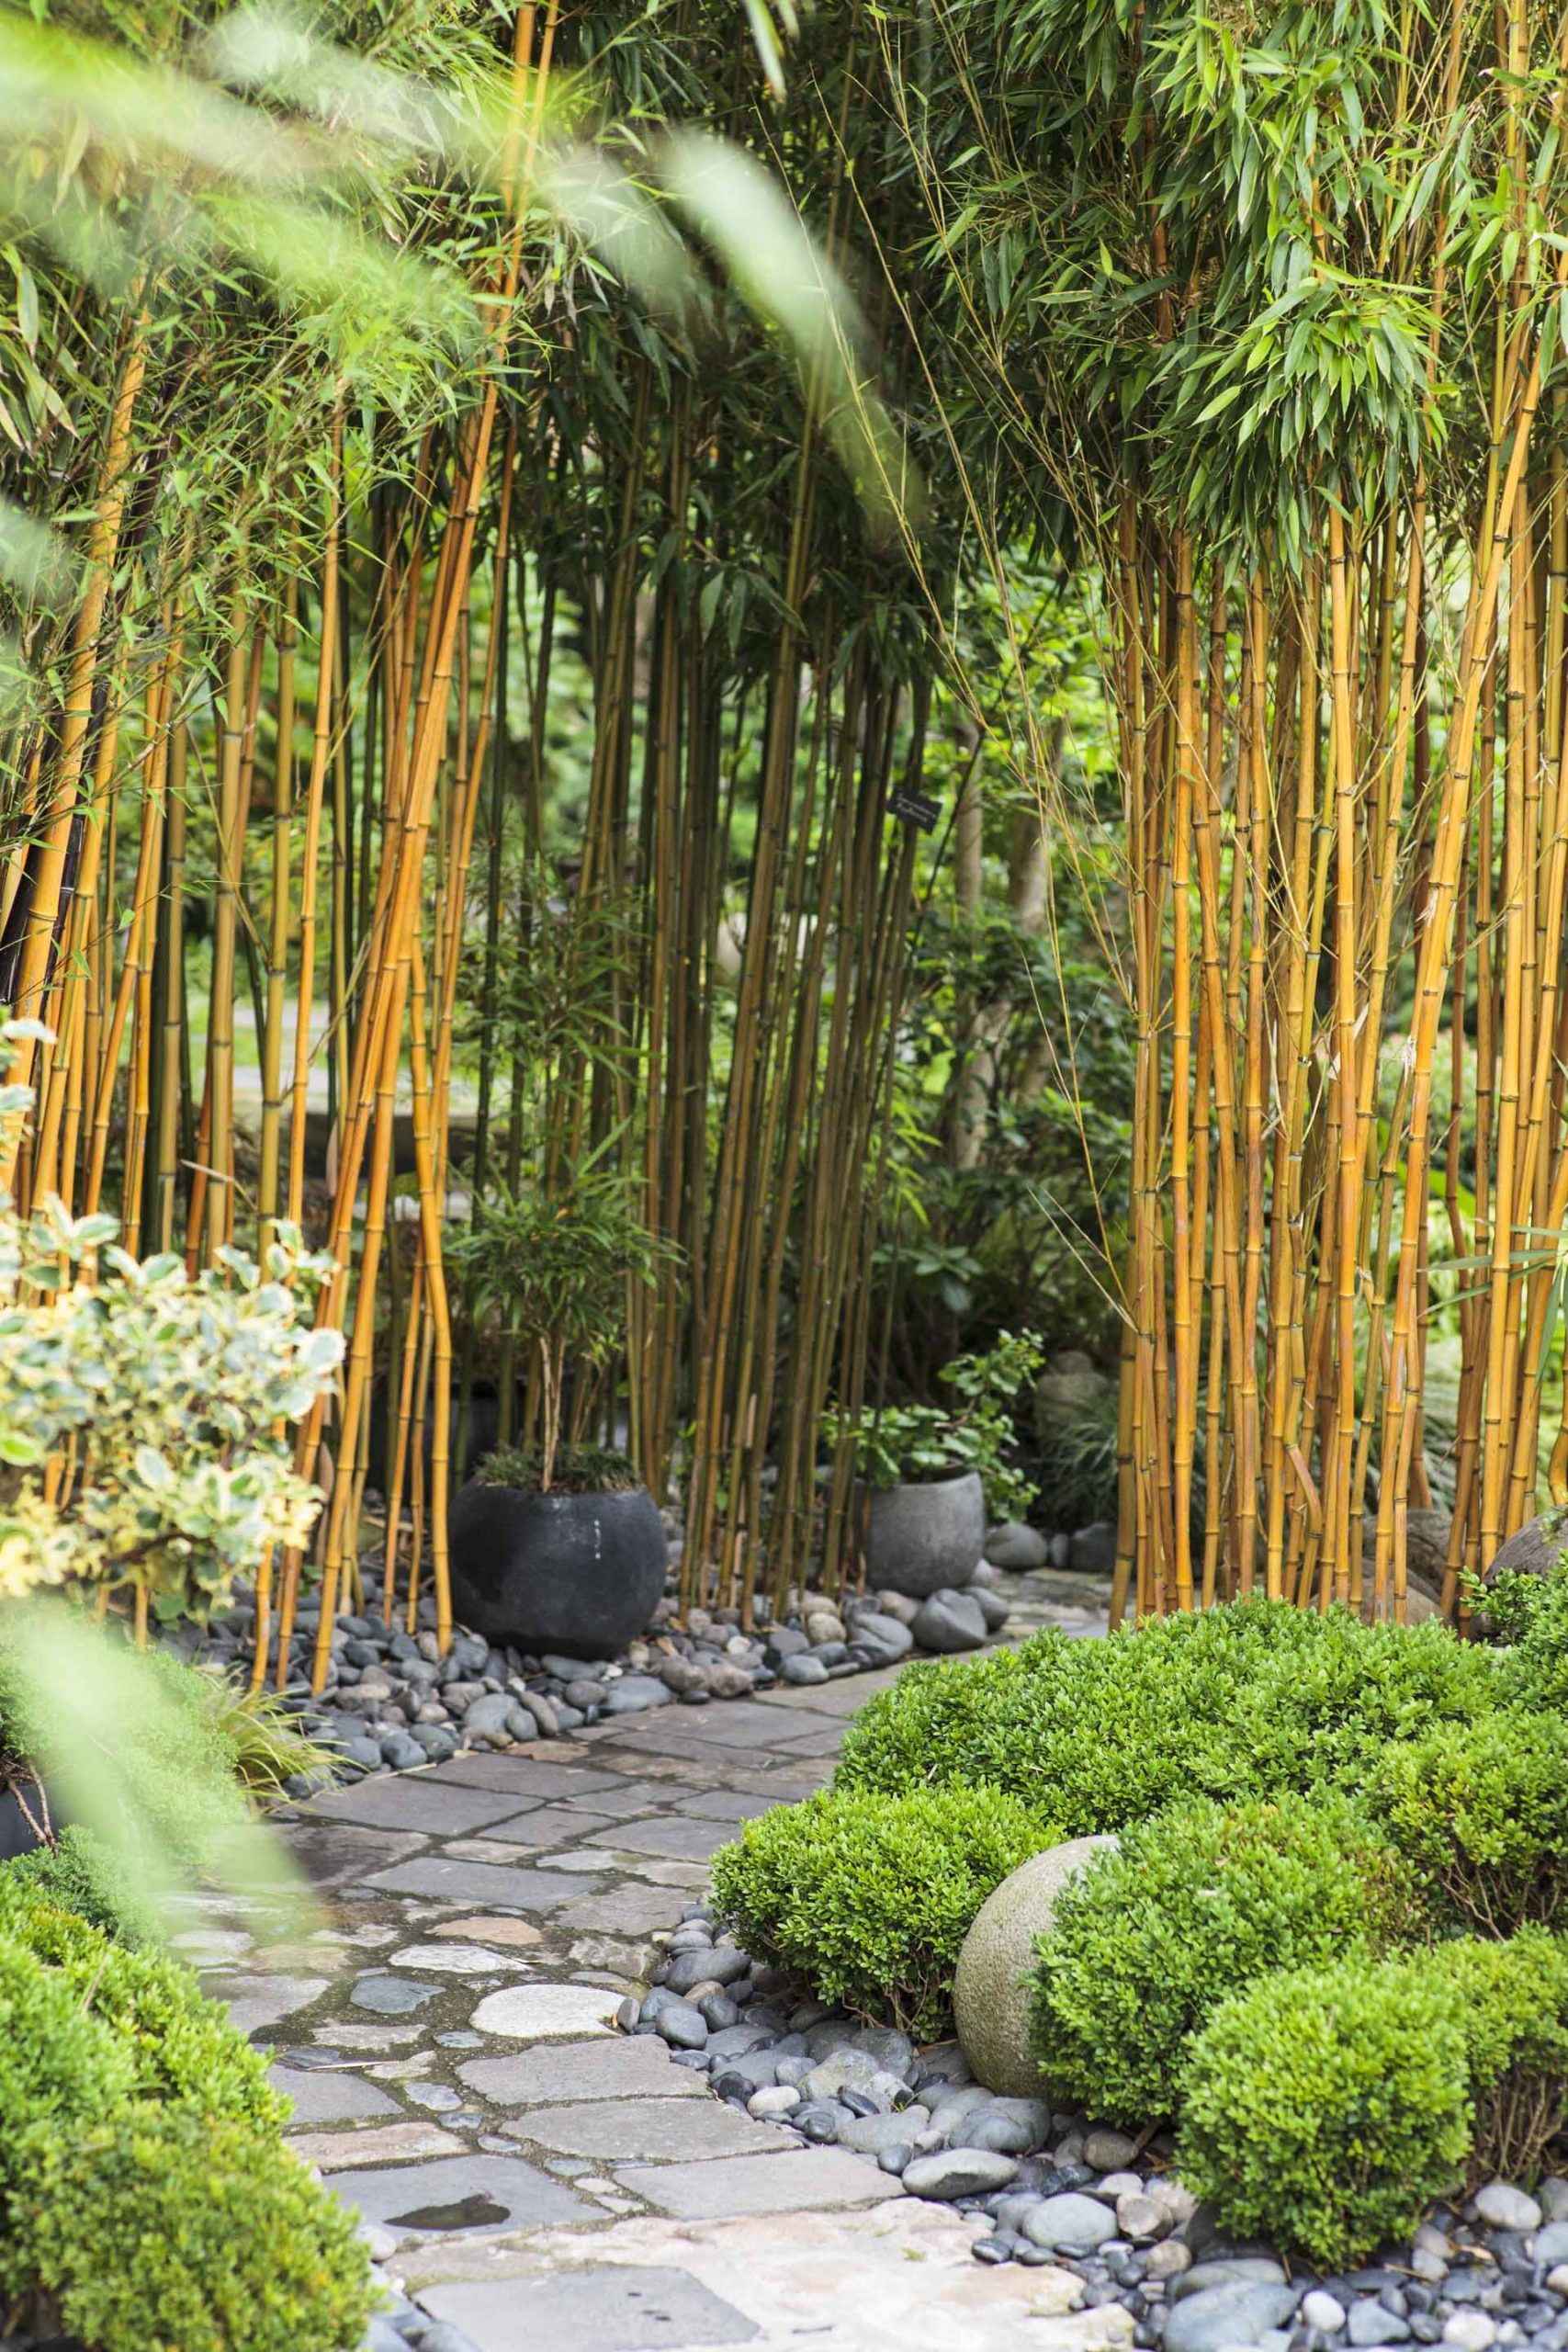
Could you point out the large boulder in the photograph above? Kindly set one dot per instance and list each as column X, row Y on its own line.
column 1014, row 1545
column 989, row 2002
column 1425, row 1549
column 1536, row 1549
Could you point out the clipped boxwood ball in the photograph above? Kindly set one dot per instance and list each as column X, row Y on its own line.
column 868, row 1898
column 991, row 1990
column 1196, row 1903
column 1482, row 1810
column 1323, row 2109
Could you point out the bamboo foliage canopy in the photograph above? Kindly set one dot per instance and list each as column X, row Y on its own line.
column 1272, row 299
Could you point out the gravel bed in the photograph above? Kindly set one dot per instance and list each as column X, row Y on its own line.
column 1052, row 2187
column 392, row 1703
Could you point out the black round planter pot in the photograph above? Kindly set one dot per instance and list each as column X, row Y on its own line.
column 581, row 1574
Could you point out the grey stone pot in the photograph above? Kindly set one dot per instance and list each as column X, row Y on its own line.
column 919, row 1537
column 581, row 1574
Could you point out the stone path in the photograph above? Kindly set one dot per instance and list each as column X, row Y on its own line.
column 534, row 2180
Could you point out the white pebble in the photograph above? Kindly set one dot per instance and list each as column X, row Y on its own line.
column 1503, row 2207
column 1470, row 2330
column 1557, row 2279
column 1323, row 2311
column 774, row 2098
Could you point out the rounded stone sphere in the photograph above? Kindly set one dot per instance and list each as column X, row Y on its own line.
column 989, row 2002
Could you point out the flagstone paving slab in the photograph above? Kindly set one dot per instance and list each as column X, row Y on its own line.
column 257, row 2003
column 547, row 2012
column 322, row 2094
column 618, row 2308
column 459, row 1960
column 797, row 2179
column 414, row 1801
column 387, row 2144
column 496, row 1928
column 625, row 1910
column 686, row 1840
column 547, row 1825
column 530, row 1890
column 891, row 2278
column 460, row 2195
column 330, row 1854
column 529, row 1777
column 642, row 2129
column 618, row 2066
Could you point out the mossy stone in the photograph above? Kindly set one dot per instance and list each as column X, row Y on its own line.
column 989, row 2001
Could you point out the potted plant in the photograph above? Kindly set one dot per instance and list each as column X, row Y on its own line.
column 553, row 1547
column 930, row 1475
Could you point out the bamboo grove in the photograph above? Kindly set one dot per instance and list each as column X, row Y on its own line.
column 470, row 749
column 1274, row 301
column 294, row 791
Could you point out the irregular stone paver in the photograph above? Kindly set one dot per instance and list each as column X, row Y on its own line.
column 617, row 2309
column 797, row 2180
column 257, row 2002
column 321, row 2095
column 493, row 1928
column 525, row 1776
column 478, row 1883
column 685, row 1841
column 414, row 1801
column 393, row 2144
column 548, row 1824
column 465, row 2195
column 717, row 1804
column 543, row 2012
column 617, row 2067
column 894, row 2278
column 458, row 1960
column 639, row 2130
column 332, row 1854
column 624, row 1910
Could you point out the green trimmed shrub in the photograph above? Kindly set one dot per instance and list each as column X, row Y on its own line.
column 1512, row 2004
column 83, row 1874
column 1328, row 1713
column 179, row 2045
column 1193, row 1904
column 1323, row 2109
column 162, row 2231
column 868, row 1897
column 1250, row 1698
column 1530, row 1614
column 1482, row 1810
column 59, row 2068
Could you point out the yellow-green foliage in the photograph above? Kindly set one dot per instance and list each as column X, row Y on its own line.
column 161, row 2230
column 1323, row 2109
column 146, row 2197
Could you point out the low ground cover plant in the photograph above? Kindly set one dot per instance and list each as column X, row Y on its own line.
column 1192, row 1905
column 868, row 1897
column 146, row 2196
